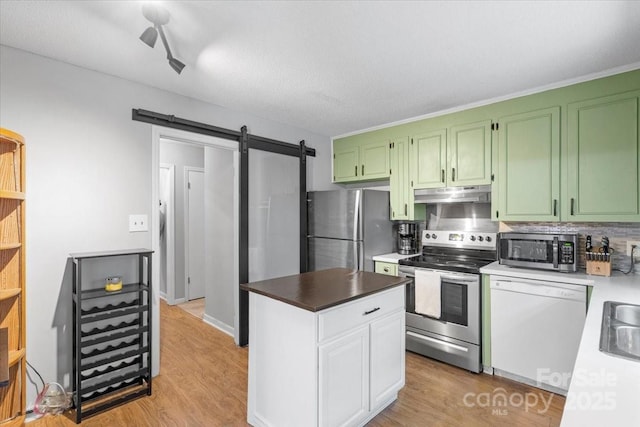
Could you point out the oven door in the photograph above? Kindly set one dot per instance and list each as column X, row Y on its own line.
column 460, row 305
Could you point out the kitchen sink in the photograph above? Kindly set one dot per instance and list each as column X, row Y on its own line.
column 629, row 314
column 620, row 332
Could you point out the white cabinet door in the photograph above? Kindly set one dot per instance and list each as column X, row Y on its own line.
column 387, row 358
column 344, row 379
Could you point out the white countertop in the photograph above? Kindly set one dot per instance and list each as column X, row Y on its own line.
column 392, row 258
column 604, row 390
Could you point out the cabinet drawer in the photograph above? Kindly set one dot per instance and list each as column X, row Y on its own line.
column 388, row 268
column 335, row 321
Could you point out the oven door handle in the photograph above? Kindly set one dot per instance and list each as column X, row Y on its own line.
column 448, row 278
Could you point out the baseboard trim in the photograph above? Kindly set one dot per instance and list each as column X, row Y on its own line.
column 221, row 326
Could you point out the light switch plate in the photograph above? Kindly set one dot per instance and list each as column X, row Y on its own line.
column 138, row 223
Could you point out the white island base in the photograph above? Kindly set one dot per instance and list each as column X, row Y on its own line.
column 340, row 366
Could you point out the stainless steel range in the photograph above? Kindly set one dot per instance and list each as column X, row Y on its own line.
column 450, row 262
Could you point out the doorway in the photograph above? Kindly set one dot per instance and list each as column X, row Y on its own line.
column 205, row 219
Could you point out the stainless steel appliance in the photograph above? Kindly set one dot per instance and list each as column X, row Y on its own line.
column 408, row 238
column 346, row 228
column 557, row 252
column 456, row 256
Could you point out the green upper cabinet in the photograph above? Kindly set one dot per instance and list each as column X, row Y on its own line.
column 428, row 159
column 469, row 154
column 529, row 166
column 401, row 194
column 360, row 161
column 374, row 158
column 346, row 158
column 603, row 154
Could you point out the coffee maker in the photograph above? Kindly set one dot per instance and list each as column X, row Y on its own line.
column 408, row 238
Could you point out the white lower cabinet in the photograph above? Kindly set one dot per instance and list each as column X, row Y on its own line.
column 337, row 367
column 344, row 379
column 386, row 361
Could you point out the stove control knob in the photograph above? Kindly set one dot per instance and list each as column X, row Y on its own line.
column 480, row 238
column 488, row 238
column 434, row 236
column 473, row 238
column 427, row 236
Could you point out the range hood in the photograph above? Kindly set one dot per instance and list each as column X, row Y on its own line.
column 476, row 193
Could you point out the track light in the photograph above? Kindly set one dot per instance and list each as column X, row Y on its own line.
column 149, row 36
column 176, row 65
column 159, row 17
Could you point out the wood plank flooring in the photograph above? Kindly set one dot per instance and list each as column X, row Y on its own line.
column 203, row 382
column 194, row 307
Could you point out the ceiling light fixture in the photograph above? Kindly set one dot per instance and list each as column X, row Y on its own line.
column 159, row 16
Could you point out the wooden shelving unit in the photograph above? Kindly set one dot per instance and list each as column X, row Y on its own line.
column 12, row 274
column 111, row 330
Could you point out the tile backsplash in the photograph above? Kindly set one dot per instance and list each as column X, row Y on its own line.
column 618, row 232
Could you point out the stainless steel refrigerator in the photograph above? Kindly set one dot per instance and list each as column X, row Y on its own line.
column 346, row 228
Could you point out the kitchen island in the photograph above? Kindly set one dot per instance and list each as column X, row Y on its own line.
column 326, row 348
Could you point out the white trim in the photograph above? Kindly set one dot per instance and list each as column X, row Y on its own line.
column 180, row 300
column 185, row 209
column 170, row 233
column 163, row 295
column 221, row 326
column 556, row 85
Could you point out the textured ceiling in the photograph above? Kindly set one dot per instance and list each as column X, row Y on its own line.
column 334, row 67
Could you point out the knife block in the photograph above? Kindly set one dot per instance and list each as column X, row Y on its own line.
column 596, row 267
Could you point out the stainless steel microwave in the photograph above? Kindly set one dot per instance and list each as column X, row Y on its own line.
column 558, row 252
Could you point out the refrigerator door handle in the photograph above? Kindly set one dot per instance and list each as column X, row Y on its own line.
column 356, row 216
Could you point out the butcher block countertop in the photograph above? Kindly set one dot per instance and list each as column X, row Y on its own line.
column 318, row 290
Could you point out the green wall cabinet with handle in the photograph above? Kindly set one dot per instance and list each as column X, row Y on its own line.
column 401, row 195
column 603, row 157
column 360, row 161
column 529, row 166
column 428, row 159
column 469, row 154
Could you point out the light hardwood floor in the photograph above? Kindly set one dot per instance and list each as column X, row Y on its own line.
column 203, row 382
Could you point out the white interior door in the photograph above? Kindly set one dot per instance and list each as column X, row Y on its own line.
column 194, row 226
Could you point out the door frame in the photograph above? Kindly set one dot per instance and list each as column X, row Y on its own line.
column 177, row 135
column 187, row 194
column 169, row 232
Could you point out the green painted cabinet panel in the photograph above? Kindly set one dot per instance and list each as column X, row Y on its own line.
column 401, row 194
column 529, row 166
column 603, row 155
column 360, row 161
column 469, row 153
column 387, row 268
column 346, row 158
column 428, row 157
column 374, row 158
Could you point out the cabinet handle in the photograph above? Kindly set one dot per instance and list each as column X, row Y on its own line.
column 386, row 269
column 362, row 170
column 572, row 203
column 442, row 175
column 371, row 311
column 453, row 174
column 555, row 207
column 356, row 170
column 405, row 209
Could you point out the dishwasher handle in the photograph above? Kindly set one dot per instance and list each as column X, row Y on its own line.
column 575, row 293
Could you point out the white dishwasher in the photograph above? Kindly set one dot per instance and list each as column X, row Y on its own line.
column 535, row 330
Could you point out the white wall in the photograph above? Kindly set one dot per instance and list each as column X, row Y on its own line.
column 88, row 168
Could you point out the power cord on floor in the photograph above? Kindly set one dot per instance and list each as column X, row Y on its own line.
column 38, row 374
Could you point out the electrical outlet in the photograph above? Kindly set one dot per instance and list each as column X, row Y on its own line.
column 138, row 223
column 635, row 243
